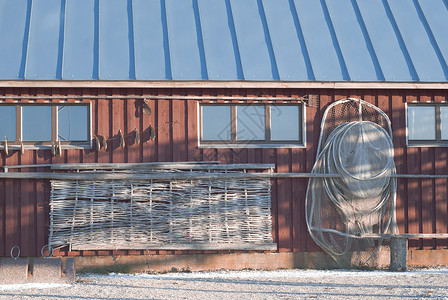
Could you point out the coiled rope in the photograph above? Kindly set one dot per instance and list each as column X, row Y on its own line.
column 362, row 199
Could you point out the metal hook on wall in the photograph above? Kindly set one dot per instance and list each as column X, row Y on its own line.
column 12, row 252
column 50, row 251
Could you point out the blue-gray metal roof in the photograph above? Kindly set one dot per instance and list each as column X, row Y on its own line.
column 227, row 40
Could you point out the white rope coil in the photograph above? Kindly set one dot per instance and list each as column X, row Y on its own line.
column 362, row 199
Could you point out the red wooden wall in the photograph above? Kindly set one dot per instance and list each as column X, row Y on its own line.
column 421, row 206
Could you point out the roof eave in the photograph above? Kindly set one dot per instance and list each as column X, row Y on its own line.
column 219, row 84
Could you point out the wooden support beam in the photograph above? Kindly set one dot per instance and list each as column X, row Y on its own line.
column 162, row 165
column 178, row 176
column 218, row 84
column 406, row 235
column 218, row 247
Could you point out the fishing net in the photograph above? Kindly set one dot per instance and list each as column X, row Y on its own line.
column 355, row 148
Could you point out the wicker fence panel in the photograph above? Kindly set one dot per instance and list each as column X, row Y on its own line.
column 157, row 214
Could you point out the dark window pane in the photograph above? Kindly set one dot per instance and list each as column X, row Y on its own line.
column 36, row 123
column 419, row 116
column 73, row 122
column 285, row 123
column 8, row 123
column 250, row 123
column 216, row 124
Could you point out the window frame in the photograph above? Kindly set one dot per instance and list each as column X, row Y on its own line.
column 267, row 142
column 87, row 144
column 438, row 141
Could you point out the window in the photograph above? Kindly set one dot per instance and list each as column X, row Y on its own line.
column 41, row 125
column 36, row 123
column 251, row 125
column 427, row 124
column 73, row 123
column 8, row 123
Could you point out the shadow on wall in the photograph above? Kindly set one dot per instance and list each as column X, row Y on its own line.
column 421, row 203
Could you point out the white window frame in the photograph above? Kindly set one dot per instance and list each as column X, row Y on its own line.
column 248, row 144
column 36, row 145
column 437, row 142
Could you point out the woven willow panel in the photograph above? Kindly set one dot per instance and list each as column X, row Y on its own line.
column 197, row 214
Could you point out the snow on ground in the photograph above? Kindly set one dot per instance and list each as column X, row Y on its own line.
column 277, row 274
column 25, row 286
column 281, row 284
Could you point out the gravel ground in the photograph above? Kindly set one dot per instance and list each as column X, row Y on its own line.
column 285, row 284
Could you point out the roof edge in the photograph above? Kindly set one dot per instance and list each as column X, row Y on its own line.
column 219, row 84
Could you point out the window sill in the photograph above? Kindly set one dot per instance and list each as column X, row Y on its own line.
column 47, row 147
column 426, row 145
column 251, row 146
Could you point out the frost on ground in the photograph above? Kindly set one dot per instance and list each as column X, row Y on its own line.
column 283, row 284
column 15, row 287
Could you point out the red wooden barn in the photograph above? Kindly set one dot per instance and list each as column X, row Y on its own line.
column 192, row 83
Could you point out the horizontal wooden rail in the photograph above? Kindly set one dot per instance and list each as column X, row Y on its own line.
column 99, row 176
column 162, row 165
column 320, row 175
column 406, row 235
column 229, row 98
column 91, row 166
column 181, row 176
column 259, row 247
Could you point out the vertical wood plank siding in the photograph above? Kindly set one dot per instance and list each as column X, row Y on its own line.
column 422, row 204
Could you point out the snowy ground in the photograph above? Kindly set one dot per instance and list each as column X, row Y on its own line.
column 285, row 284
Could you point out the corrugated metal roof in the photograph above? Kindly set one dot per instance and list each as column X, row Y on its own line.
column 227, row 40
